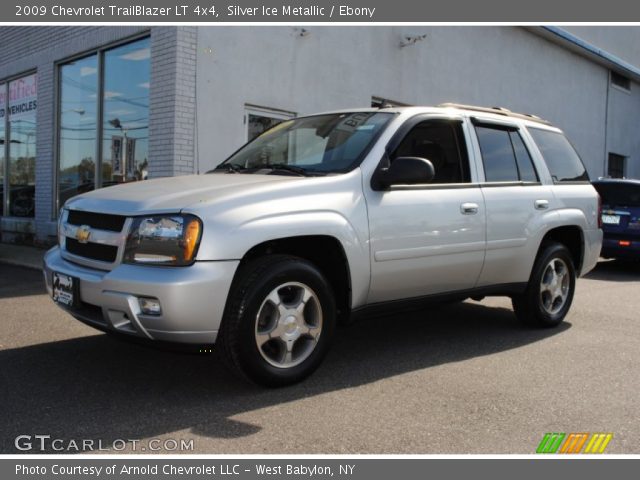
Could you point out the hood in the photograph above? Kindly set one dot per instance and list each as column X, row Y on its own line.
column 172, row 194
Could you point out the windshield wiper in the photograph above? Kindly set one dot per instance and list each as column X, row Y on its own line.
column 288, row 168
column 274, row 167
column 228, row 167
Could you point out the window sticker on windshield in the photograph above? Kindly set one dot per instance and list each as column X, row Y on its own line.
column 353, row 122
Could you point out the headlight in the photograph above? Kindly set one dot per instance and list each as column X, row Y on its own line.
column 163, row 240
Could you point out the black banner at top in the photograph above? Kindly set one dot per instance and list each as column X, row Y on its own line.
column 330, row 11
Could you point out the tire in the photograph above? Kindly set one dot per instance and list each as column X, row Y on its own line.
column 279, row 320
column 546, row 301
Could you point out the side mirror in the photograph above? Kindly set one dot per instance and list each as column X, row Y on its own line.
column 404, row 171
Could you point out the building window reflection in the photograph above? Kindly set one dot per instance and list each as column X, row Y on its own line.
column 97, row 152
column 126, row 113
column 78, row 131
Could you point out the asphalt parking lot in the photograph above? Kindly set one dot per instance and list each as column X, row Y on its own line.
column 463, row 378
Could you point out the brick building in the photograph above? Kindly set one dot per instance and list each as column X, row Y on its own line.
column 85, row 107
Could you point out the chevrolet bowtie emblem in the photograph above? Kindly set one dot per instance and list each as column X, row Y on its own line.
column 83, row 233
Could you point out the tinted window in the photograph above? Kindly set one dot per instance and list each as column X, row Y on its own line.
column 615, row 167
column 562, row 160
column 440, row 143
column 620, row 81
column 497, row 155
column 616, row 194
column 523, row 159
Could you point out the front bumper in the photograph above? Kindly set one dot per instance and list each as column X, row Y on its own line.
column 192, row 298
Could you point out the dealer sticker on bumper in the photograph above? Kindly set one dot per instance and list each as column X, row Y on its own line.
column 63, row 286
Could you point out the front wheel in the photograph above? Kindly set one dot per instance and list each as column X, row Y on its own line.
column 279, row 319
column 549, row 294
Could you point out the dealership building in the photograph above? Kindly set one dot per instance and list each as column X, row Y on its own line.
column 87, row 107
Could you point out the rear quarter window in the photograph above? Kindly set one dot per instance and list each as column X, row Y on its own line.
column 561, row 158
column 619, row 194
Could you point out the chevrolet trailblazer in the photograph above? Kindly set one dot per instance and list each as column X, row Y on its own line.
column 326, row 216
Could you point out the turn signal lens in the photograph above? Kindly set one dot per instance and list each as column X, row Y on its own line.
column 191, row 238
column 624, row 243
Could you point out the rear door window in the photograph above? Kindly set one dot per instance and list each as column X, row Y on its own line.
column 562, row 159
column 523, row 159
column 504, row 155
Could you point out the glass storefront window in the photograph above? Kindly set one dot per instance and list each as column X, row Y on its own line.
column 78, row 127
column 125, row 123
column 116, row 82
column 18, row 104
column 3, row 119
column 23, row 100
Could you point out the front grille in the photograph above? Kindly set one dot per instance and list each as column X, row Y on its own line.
column 94, row 251
column 100, row 221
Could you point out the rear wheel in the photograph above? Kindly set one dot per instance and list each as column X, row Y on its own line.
column 279, row 320
column 549, row 294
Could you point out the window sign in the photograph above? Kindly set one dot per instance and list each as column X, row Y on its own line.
column 116, row 155
column 18, row 106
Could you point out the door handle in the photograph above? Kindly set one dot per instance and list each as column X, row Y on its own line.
column 542, row 204
column 469, row 208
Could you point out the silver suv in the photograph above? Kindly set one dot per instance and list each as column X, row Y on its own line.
column 327, row 216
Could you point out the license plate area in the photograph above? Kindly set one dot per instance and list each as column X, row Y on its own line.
column 611, row 219
column 65, row 288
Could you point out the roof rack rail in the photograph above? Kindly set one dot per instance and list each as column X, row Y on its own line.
column 496, row 110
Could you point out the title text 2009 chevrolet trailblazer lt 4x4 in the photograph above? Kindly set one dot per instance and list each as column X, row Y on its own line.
column 324, row 216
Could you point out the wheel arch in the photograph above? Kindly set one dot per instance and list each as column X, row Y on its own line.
column 326, row 252
column 572, row 237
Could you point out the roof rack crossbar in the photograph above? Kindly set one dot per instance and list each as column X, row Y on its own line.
column 496, row 110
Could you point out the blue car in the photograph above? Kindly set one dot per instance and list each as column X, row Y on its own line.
column 620, row 217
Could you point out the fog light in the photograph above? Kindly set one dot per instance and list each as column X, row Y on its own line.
column 150, row 306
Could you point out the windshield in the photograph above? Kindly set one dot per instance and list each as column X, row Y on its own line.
column 619, row 194
column 333, row 143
